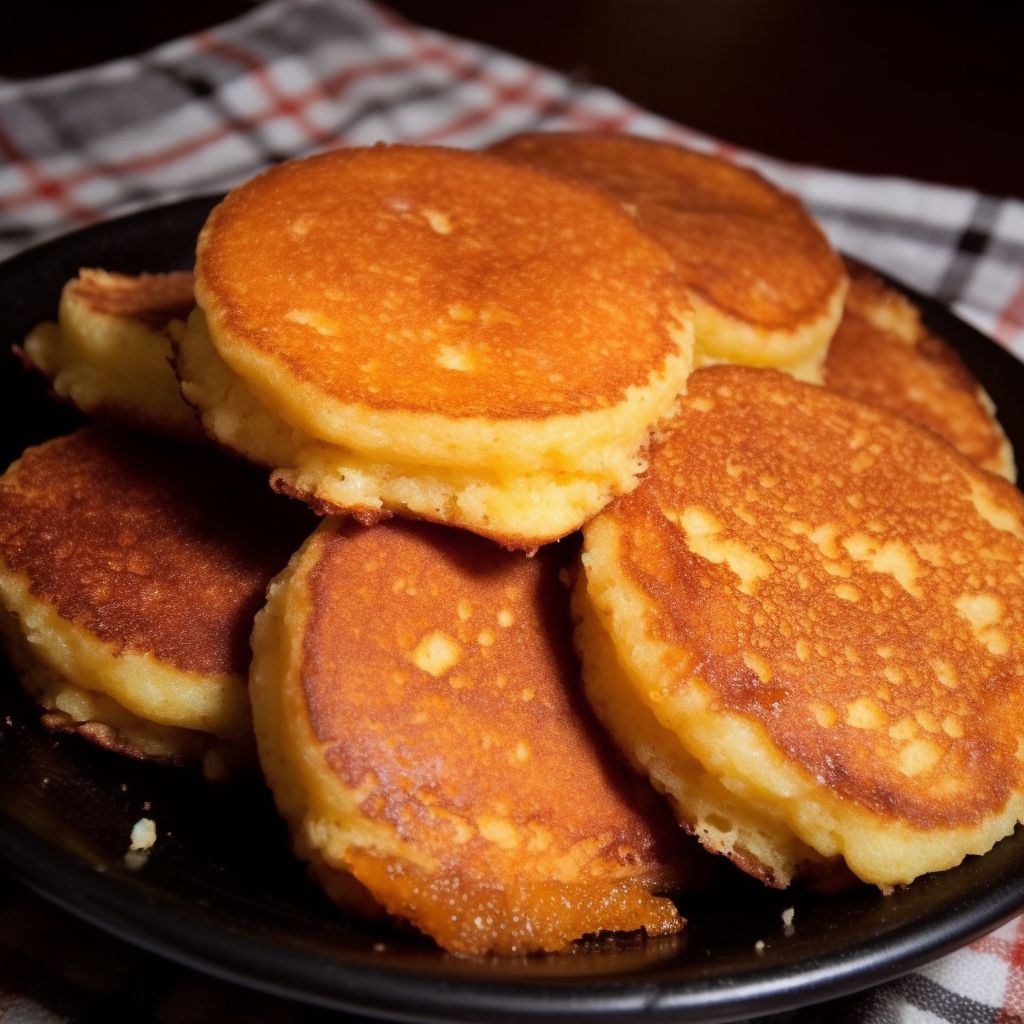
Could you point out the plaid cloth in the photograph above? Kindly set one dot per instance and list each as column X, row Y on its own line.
column 203, row 113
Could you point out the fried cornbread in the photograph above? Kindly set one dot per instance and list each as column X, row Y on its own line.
column 807, row 626
column 109, row 353
column 419, row 719
column 130, row 573
column 435, row 334
column 883, row 354
column 766, row 286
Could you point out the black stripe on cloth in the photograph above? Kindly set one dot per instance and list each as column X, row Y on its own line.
column 943, row 236
column 15, row 235
column 291, row 36
column 29, row 129
column 939, row 235
column 353, row 22
column 87, row 110
column 932, row 997
column 888, row 1004
column 203, row 89
column 301, row 27
column 388, row 106
column 973, row 241
column 971, row 244
column 871, row 1007
column 199, row 65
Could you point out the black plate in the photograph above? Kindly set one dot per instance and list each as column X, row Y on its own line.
column 222, row 893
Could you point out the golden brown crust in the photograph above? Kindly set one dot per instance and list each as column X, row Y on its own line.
column 883, row 355
column 99, row 734
column 282, row 484
column 150, row 299
column 741, row 243
column 438, row 677
column 638, row 170
column 775, row 274
column 435, row 281
column 847, row 582
column 520, row 679
column 151, row 547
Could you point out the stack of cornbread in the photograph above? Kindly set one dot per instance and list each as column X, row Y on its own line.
column 793, row 625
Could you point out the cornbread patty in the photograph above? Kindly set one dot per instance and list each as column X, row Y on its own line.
column 766, row 286
column 807, row 625
column 109, row 354
column 454, row 339
column 419, row 720
column 883, row 354
column 130, row 572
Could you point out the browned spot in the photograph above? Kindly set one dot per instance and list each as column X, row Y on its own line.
column 363, row 271
column 153, row 548
column 740, row 242
column 873, row 658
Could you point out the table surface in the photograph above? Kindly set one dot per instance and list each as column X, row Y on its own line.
column 910, row 87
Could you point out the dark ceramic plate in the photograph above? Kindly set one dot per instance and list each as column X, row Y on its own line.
column 222, row 893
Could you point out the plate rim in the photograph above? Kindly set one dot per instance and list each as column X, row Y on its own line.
column 239, row 955
column 241, row 958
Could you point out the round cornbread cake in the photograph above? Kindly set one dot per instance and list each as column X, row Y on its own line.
column 130, row 573
column 883, row 354
column 435, row 334
column 419, row 719
column 109, row 354
column 767, row 288
column 807, row 626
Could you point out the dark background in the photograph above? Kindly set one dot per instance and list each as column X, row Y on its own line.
column 920, row 88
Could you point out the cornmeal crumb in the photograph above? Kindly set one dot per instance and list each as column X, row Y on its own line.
column 143, row 834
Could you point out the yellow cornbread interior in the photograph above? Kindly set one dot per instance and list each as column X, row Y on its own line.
column 154, row 709
column 728, row 780
column 520, row 482
column 704, row 805
column 101, row 362
column 324, row 817
column 67, row 706
column 801, row 352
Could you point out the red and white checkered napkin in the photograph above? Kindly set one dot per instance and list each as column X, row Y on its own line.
column 203, row 113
